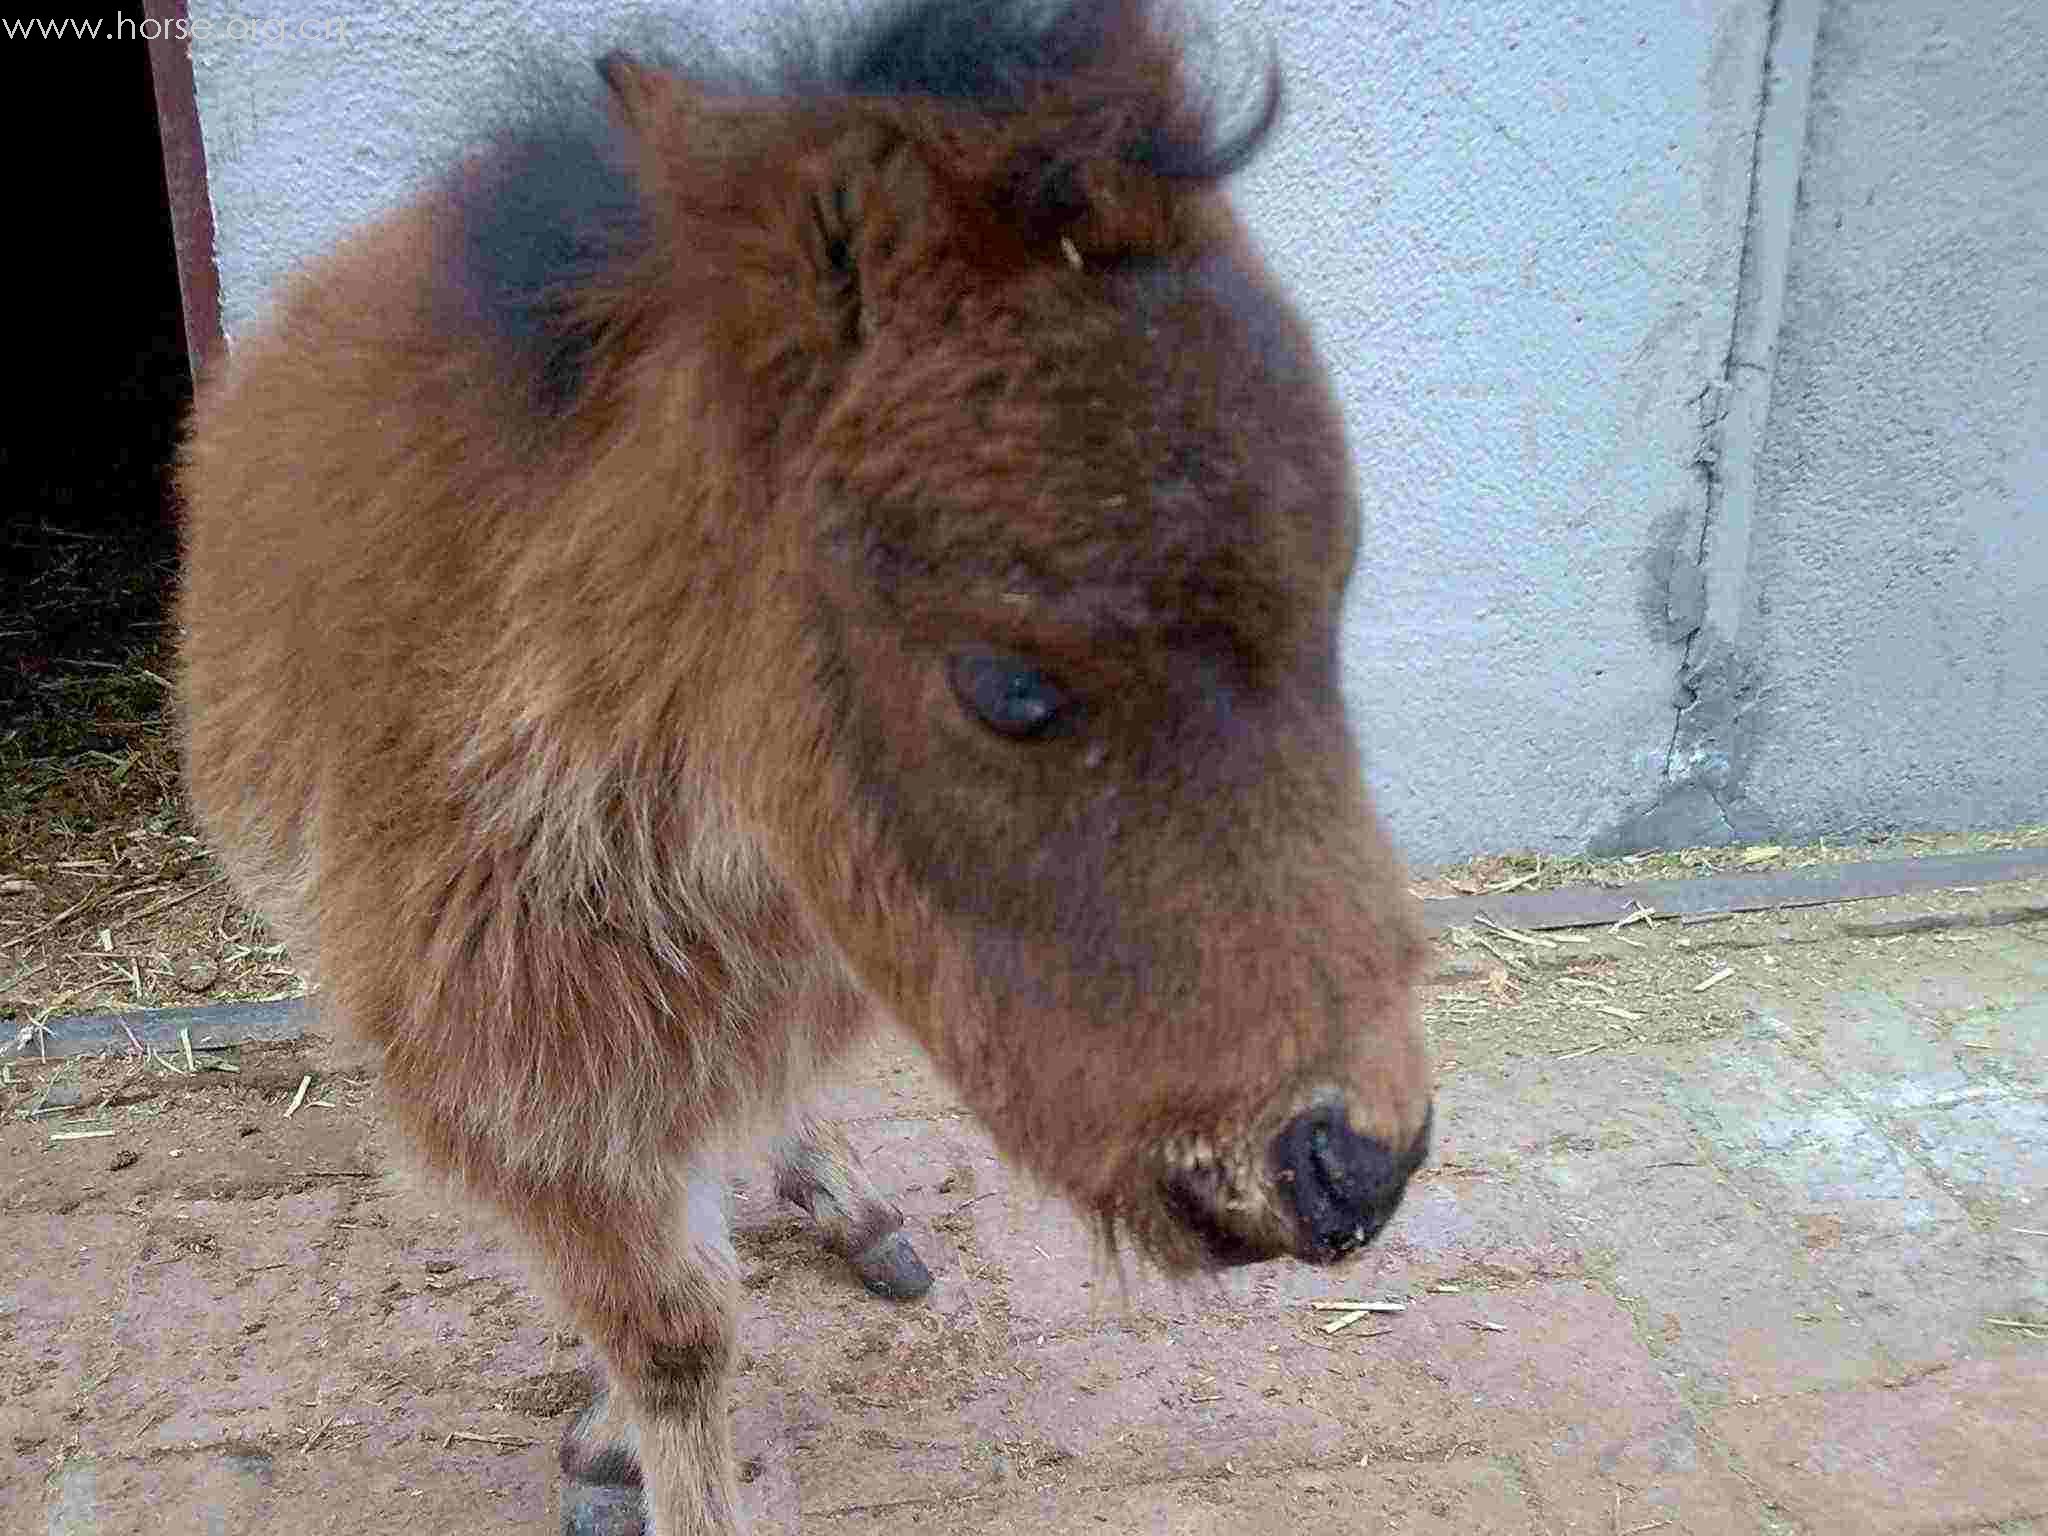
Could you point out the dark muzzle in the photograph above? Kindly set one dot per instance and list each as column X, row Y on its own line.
column 1345, row 1187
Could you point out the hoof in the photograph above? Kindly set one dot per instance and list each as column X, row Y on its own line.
column 890, row 1268
column 594, row 1509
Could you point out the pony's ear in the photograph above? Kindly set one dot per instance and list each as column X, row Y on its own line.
column 641, row 94
column 865, row 200
column 847, row 188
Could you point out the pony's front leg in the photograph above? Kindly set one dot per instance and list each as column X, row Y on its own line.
column 654, row 1286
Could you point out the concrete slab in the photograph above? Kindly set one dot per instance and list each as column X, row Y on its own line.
column 1957, row 1450
column 1800, row 1145
column 1926, row 1297
column 1615, row 1102
column 1991, row 1152
column 2012, row 1042
column 1729, row 1301
column 1885, row 1054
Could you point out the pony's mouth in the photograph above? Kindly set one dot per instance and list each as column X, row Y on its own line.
column 1319, row 1193
column 1189, row 1196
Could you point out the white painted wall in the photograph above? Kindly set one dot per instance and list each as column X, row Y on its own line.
column 1618, row 592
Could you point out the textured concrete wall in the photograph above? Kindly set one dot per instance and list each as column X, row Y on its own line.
column 1518, row 229
column 1528, row 237
column 1892, row 665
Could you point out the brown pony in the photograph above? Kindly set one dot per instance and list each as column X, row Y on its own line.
column 740, row 561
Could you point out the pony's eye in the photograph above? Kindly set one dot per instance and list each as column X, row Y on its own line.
column 1011, row 697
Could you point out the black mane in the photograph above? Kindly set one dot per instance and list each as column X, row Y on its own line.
column 1000, row 57
column 553, row 209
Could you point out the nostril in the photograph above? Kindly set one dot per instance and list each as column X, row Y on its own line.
column 1328, row 1165
column 1345, row 1186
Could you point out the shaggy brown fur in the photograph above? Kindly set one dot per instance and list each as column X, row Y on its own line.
column 712, row 575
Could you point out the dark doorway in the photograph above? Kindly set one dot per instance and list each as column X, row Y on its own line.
column 100, row 382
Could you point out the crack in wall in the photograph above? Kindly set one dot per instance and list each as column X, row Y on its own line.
column 1699, row 796
column 1703, row 756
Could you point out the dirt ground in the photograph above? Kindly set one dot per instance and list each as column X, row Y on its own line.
column 220, row 1313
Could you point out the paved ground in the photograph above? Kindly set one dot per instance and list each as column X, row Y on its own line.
column 1762, row 1278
